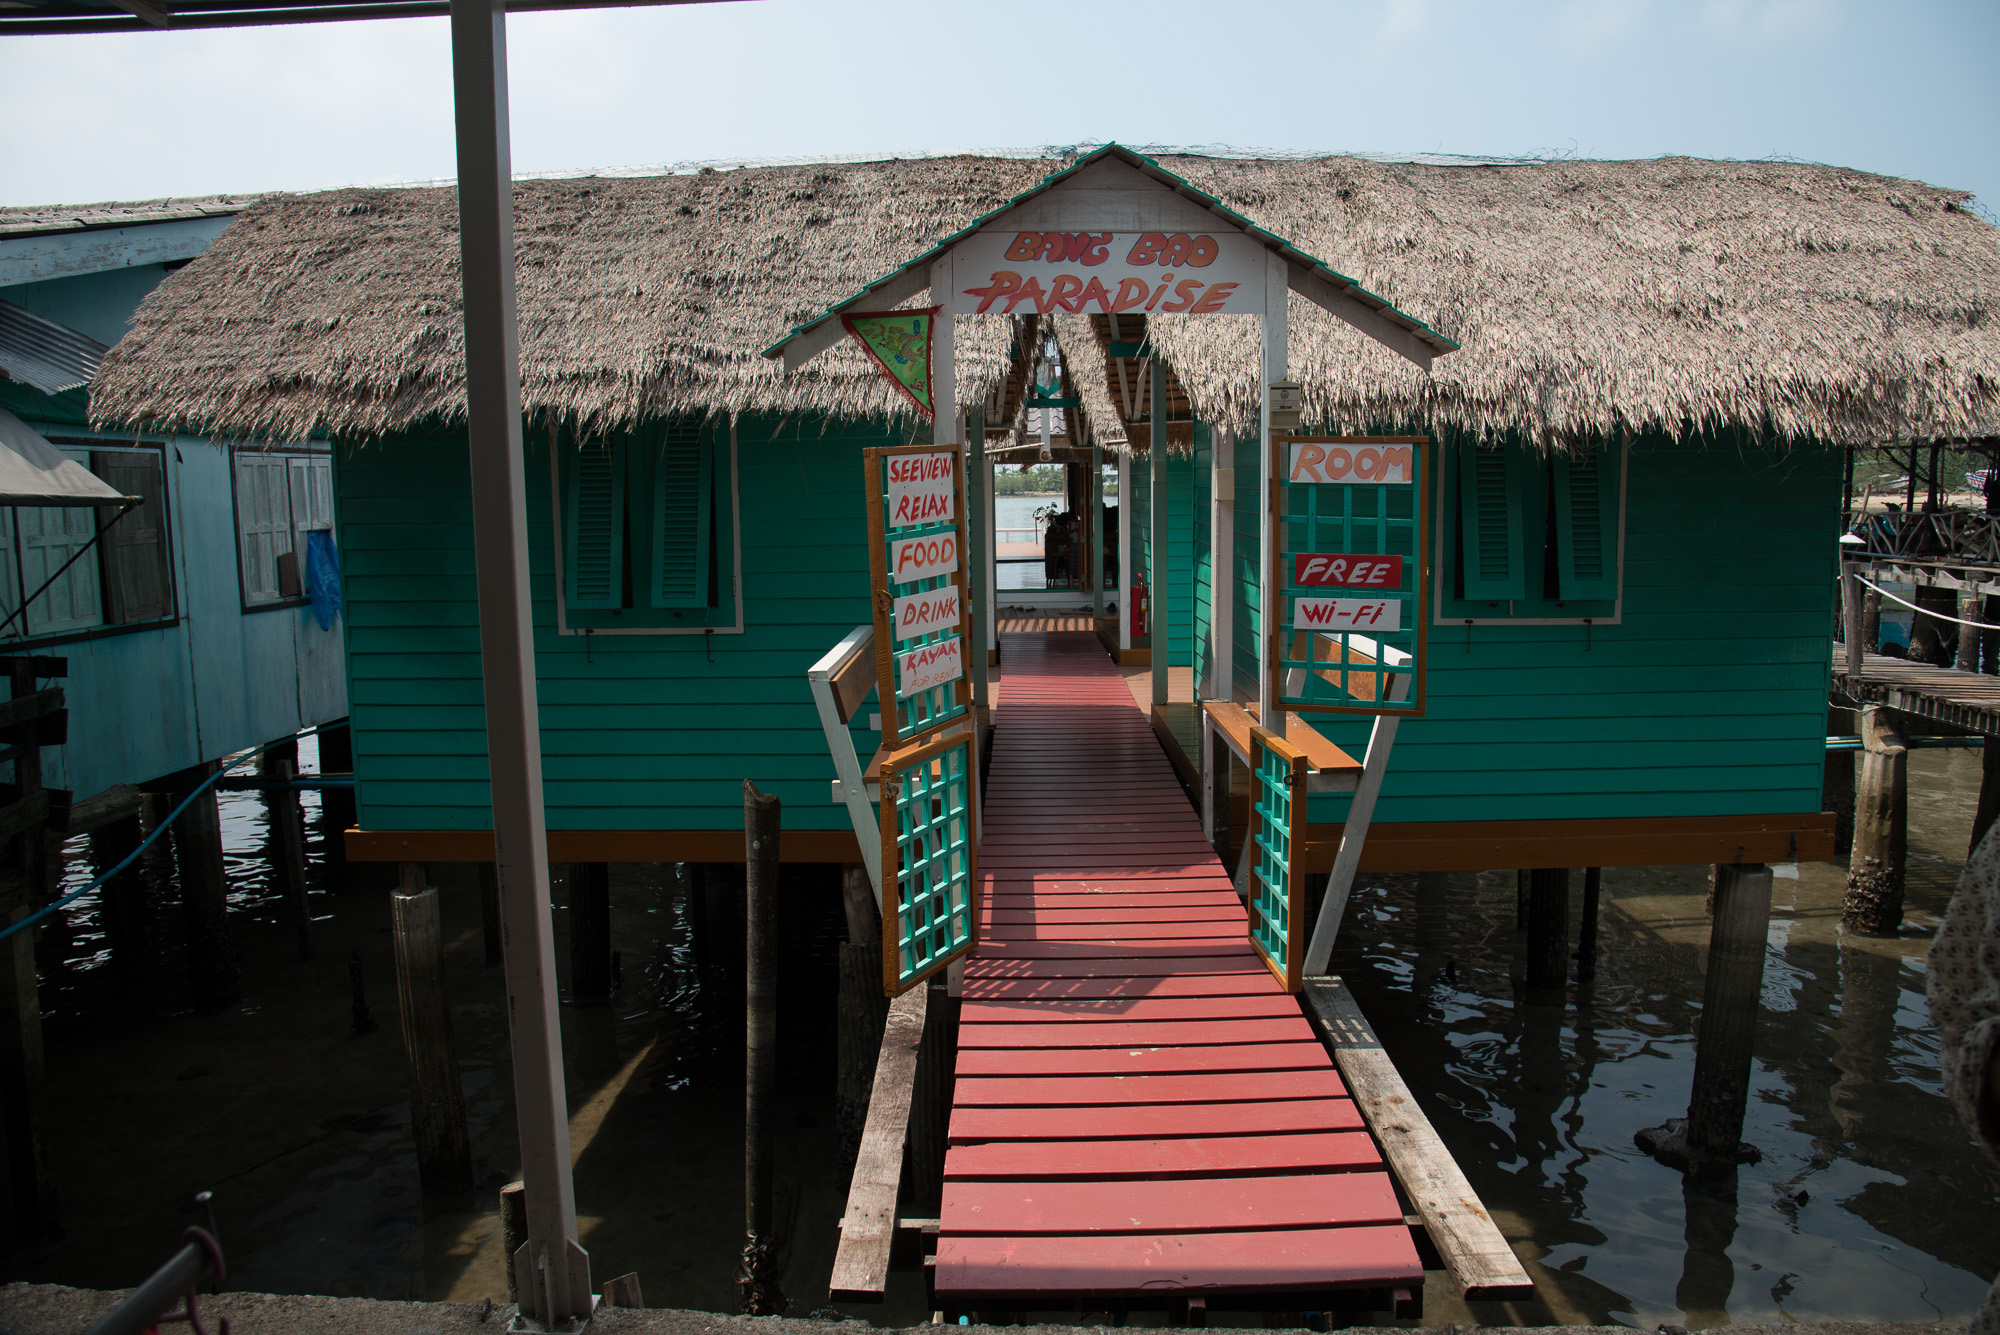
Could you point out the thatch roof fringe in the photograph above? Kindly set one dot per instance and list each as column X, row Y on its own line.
column 1588, row 297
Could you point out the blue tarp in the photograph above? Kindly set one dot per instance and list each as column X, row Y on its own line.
column 323, row 577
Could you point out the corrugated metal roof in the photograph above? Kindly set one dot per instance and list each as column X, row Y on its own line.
column 39, row 352
column 28, row 220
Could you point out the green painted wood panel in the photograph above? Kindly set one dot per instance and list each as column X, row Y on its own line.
column 1180, row 618
column 638, row 731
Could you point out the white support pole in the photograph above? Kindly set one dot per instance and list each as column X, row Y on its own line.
column 1276, row 336
column 945, row 426
column 992, row 572
column 551, row 1272
column 1125, row 549
column 1156, row 546
column 1222, row 569
column 979, row 552
column 1096, row 553
column 1353, row 834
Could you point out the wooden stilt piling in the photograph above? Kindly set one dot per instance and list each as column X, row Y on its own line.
column 437, row 1099
column 590, row 931
column 1881, row 828
column 338, row 810
column 1548, row 928
column 489, row 917
column 128, row 909
column 1932, row 639
column 1967, row 659
column 215, row 974
column 24, row 1098
column 288, row 840
column 1712, row 1132
column 1586, row 935
column 758, row 1277
column 1521, row 900
column 862, row 1009
column 1837, row 782
column 1871, row 620
column 1988, row 809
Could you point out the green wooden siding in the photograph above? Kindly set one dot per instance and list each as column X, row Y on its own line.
column 638, row 731
column 1708, row 699
column 1180, row 618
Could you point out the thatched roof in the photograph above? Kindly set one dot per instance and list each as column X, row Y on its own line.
column 1587, row 297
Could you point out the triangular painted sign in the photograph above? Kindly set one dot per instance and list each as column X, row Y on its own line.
column 900, row 343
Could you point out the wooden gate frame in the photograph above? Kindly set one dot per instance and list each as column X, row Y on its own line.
column 1263, row 739
column 893, row 767
column 882, row 599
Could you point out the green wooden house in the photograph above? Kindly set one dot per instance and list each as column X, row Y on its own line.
column 1631, row 524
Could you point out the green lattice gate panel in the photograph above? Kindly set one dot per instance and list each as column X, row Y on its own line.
column 1277, row 857
column 1350, row 558
column 916, row 530
column 929, row 859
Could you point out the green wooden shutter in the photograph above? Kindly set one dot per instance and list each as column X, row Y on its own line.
column 1587, row 526
column 1489, row 507
column 683, row 516
column 593, row 527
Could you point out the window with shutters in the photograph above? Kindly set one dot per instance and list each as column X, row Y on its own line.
column 646, row 524
column 124, row 579
column 281, row 495
column 1528, row 536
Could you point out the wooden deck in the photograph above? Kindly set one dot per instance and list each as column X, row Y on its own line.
column 1969, row 700
column 1140, row 1115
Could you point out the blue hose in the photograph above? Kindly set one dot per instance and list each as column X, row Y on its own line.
column 147, row 842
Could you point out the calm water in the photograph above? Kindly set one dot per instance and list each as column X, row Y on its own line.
column 1870, row 1202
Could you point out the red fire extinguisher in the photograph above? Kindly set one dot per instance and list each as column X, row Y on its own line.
column 1142, row 605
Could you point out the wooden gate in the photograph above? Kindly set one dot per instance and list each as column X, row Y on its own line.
column 1277, row 854
column 929, row 859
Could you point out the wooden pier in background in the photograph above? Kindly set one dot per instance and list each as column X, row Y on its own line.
column 1949, row 696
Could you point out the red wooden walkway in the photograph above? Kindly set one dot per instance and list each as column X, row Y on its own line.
column 1139, row 1110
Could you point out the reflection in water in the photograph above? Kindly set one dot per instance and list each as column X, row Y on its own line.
column 1871, row 1201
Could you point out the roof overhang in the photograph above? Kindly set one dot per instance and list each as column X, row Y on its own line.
column 1305, row 275
column 37, row 351
column 34, row 472
column 83, row 16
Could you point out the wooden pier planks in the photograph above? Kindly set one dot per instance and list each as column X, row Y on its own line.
column 1138, row 1107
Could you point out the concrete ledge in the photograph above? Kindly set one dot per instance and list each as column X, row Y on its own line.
column 51, row 1309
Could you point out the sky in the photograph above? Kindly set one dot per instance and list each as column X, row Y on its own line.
column 1901, row 87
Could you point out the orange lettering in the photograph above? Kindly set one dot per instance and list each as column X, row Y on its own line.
column 1397, row 461
column 1025, row 246
column 1131, row 291
column 1062, row 292
column 1368, row 465
column 1030, row 289
column 1183, row 299
column 1146, row 249
column 1305, row 465
column 1005, row 283
column 1203, row 252
column 1094, row 291
column 1175, row 252
column 1212, row 300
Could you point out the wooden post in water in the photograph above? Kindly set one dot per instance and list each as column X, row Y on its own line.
column 1548, row 928
column 489, row 923
column 1871, row 620
column 1521, row 899
column 758, row 1277
column 862, row 1009
column 337, row 809
column 127, row 908
column 279, row 765
column 1968, row 634
column 1586, row 936
column 1881, row 828
column 589, row 931
column 1934, row 640
column 1853, row 631
column 1711, row 1135
column 24, row 1098
column 437, row 1100
column 215, row 974
column 1988, row 809
column 1837, row 782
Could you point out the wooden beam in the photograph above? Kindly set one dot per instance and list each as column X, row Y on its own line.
column 1362, row 316
column 861, row 1265
column 116, row 803
column 26, row 708
column 1662, row 841
column 1478, row 1256
column 598, row 846
column 814, row 339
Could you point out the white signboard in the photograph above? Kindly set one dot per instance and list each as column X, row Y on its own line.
column 1196, row 273
column 921, row 558
column 921, row 489
column 926, row 613
column 1383, row 465
column 932, row 665
column 1338, row 614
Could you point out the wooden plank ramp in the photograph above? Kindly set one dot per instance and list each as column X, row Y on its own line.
column 1140, row 1116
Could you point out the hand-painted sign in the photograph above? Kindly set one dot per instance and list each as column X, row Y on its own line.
column 1318, row 462
column 1348, row 552
column 928, row 666
column 922, row 489
column 900, row 343
column 923, row 557
column 1373, row 614
column 1346, row 570
column 1193, row 273
column 927, row 613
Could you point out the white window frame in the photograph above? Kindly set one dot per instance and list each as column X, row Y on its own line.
column 300, row 482
column 80, row 585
